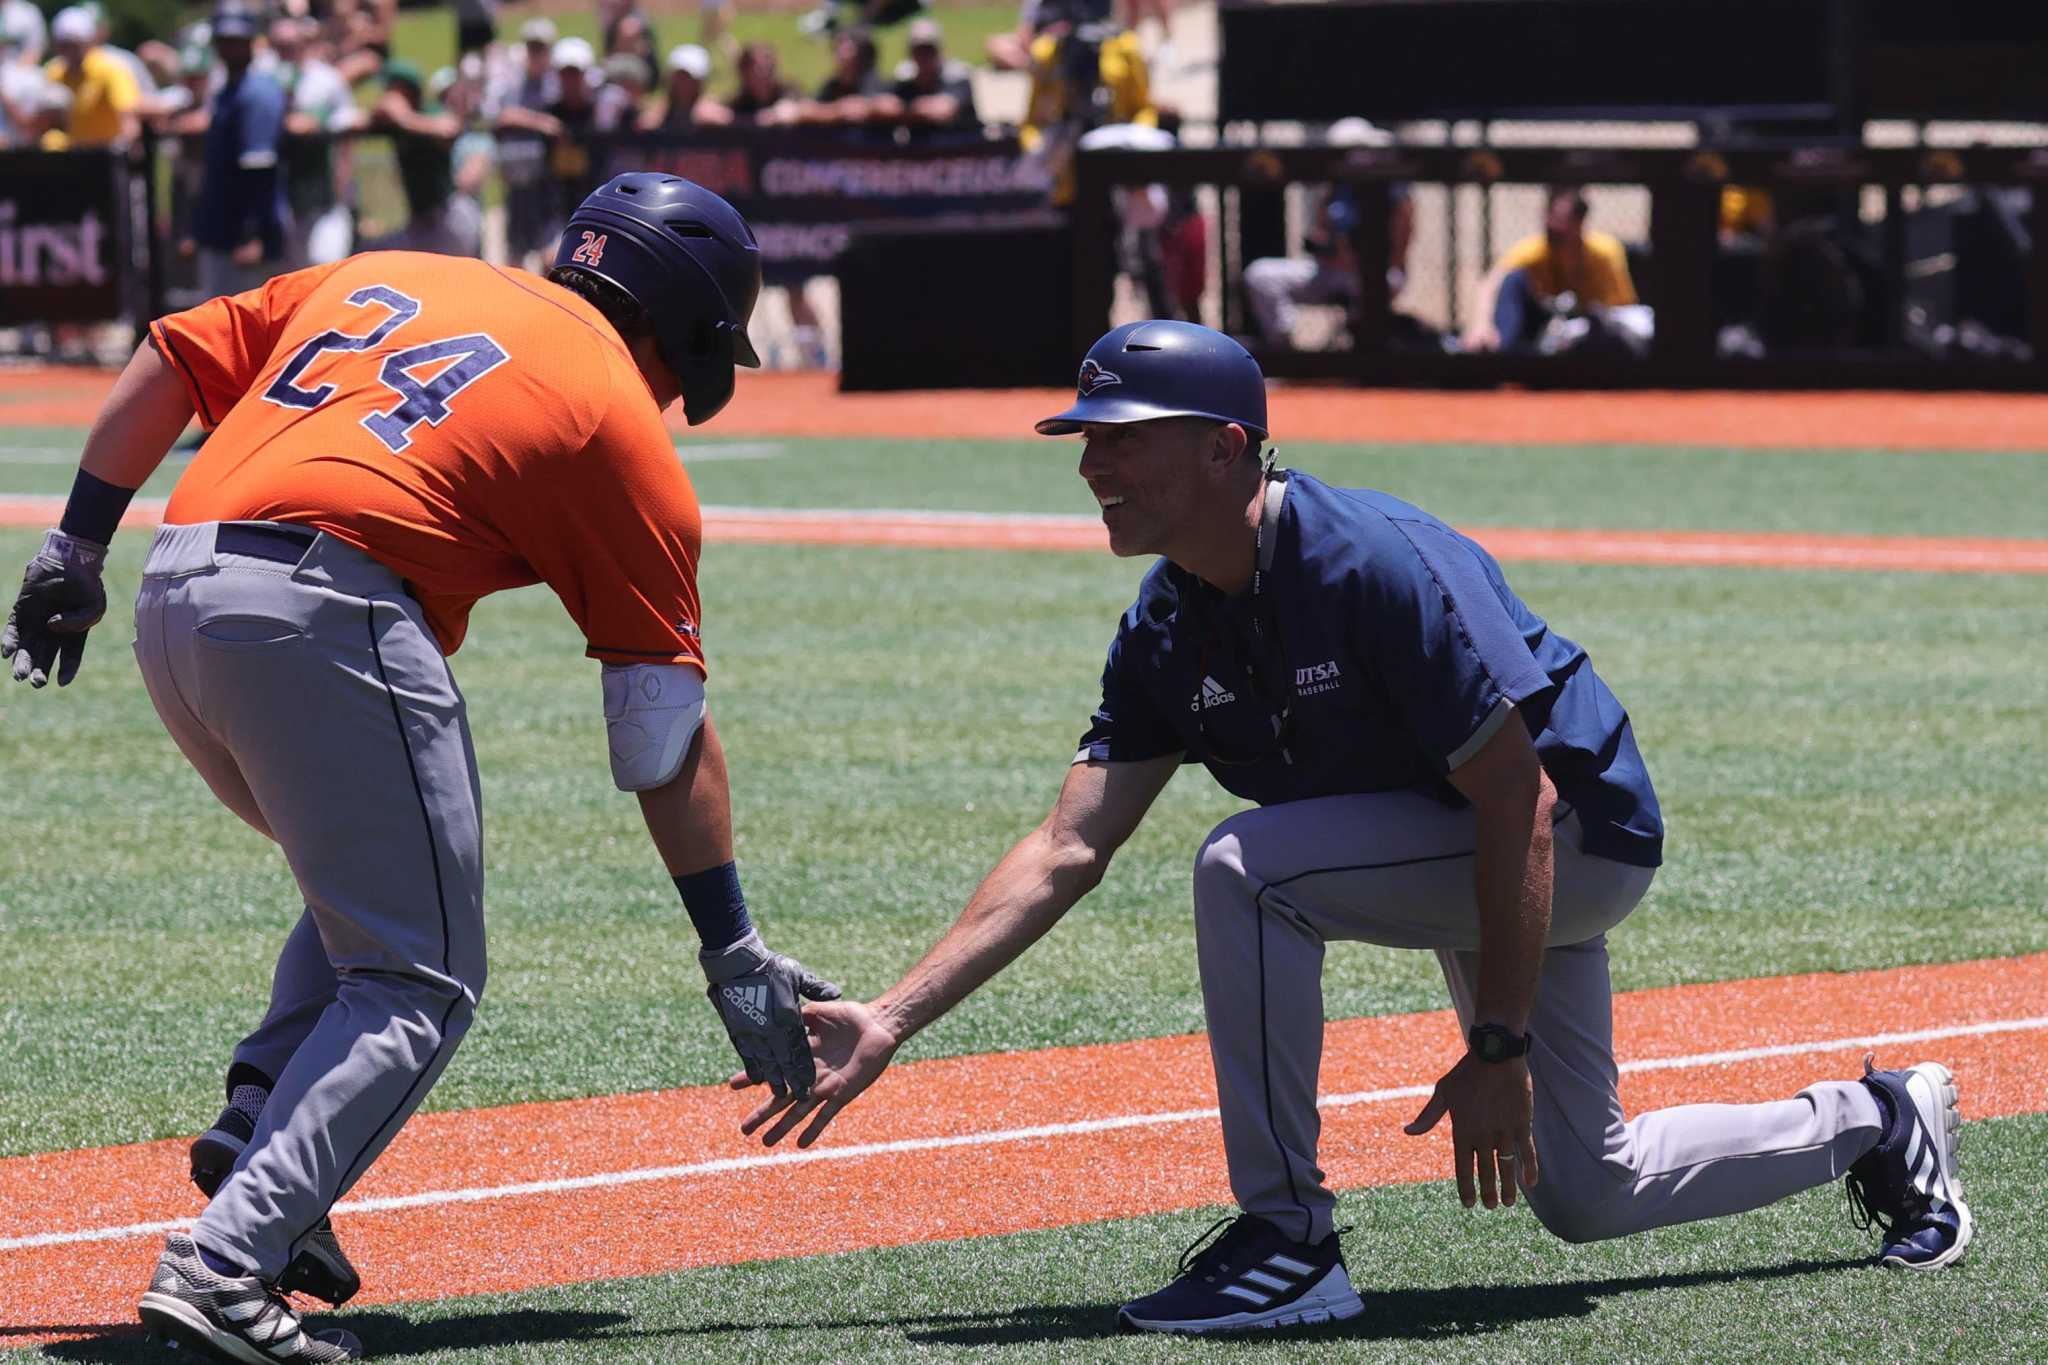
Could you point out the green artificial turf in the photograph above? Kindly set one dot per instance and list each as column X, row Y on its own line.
column 1792, row 1283
column 1622, row 487
column 1845, row 760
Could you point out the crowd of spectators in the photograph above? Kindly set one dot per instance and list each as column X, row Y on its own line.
column 248, row 92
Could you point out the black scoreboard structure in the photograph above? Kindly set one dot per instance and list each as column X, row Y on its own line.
column 1759, row 62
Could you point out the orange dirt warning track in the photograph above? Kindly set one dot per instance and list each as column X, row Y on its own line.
column 539, row 1194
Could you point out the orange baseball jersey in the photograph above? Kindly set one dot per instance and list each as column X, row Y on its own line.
column 470, row 428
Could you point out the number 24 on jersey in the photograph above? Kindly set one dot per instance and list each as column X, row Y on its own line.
column 463, row 360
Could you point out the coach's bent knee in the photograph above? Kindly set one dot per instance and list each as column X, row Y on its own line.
column 1577, row 1216
column 1220, row 876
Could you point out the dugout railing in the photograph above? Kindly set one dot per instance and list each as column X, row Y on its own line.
column 1684, row 188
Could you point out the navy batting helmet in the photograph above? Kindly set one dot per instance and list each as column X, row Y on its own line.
column 1144, row 370
column 688, row 258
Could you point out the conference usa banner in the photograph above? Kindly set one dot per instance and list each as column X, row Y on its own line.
column 804, row 192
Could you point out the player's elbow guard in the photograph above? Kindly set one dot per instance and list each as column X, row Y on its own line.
column 651, row 712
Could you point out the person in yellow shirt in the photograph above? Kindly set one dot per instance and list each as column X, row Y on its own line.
column 1073, row 91
column 1519, row 295
column 104, row 94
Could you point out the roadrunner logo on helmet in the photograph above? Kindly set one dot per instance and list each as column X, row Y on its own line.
column 685, row 256
column 1094, row 377
column 1146, row 370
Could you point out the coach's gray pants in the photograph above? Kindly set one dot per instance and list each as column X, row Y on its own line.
column 1273, row 884
column 317, row 706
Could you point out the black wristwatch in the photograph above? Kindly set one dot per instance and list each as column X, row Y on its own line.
column 1493, row 1043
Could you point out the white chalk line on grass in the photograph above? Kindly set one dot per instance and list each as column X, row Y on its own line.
column 1083, row 1127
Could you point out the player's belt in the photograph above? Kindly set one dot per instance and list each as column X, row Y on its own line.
column 282, row 544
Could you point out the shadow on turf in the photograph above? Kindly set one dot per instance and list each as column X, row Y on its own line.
column 1390, row 1315
column 384, row 1334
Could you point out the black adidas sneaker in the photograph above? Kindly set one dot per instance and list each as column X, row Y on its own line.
column 1251, row 1276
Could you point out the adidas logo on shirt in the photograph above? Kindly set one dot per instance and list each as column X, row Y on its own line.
column 751, row 1001
column 1272, row 1278
column 1213, row 693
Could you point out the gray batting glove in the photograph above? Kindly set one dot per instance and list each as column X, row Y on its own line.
column 61, row 598
column 759, row 997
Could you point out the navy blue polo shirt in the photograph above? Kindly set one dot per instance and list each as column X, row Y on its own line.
column 1398, row 641
column 241, row 196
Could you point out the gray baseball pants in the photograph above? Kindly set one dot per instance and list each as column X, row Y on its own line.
column 1274, row 884
column 316, row 704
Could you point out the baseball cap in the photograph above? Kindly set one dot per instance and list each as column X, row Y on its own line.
column 229, row 22
column 691, row 58
column 925, row 33
column 572, row 52
column 539, row 30
column 73, row 24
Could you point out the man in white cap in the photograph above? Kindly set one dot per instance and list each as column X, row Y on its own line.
column 517, row 108
column 22, row 25
column 683, row 104
column 104, row 95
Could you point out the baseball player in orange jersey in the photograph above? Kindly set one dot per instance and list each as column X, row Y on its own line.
column 393, row 437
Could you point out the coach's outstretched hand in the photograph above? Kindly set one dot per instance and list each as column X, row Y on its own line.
column 759, row 996
column 61, row 598
column 852, row 1048
column 1489, row 1105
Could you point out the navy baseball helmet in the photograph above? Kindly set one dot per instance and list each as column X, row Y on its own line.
column 688, row 258
column 1144, row 370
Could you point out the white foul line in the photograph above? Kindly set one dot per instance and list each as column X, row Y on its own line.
column 858, row 1151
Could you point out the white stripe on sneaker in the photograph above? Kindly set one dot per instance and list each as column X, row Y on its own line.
column 1250, row 1296
column 1265, row 1281
column 1289, row 1264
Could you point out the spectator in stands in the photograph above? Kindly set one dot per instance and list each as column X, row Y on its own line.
column 423, row 139
column 853, row 72
column 633, row 34
column 619, row 99
column 571, row 166
column 683, row 105
column 1328, row 273
column 319, row 104
column 24, row 98
column 762, row 97
column 360, row 34
column 1566, row 267
column 852, row 92
column 518, row 108
column 476, row 26
column 238, row 218
column 1084, row 74
column 24, row 35
column 930, row 91
column 104, row 94
column 459, row 91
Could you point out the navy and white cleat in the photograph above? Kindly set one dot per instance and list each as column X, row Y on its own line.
column 1906, row 1186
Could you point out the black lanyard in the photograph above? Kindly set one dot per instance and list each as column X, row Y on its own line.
column 1268, row 650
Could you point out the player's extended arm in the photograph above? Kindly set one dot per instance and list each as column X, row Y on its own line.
column 1489, row 1102
column 758, row 993
column 1034, row 884
column 61, row 595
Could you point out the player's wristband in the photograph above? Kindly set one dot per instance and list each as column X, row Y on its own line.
column 716, row 906
column 94, row 509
